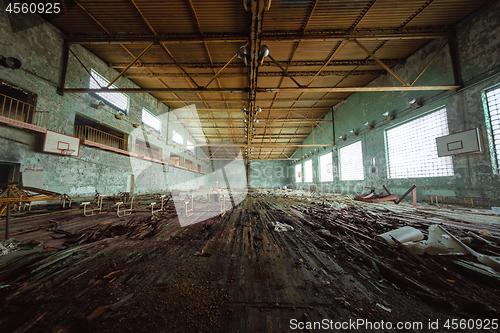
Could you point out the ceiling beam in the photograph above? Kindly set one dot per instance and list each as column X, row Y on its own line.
column 359, row 89
column 238, row 120
column 258, row 100
column 263, row 90
column 261, row 74
column 257, row 145
column 310, row 35
column 345, row 62
column 156, row 90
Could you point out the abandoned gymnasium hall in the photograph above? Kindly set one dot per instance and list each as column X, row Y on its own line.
column 249, row 166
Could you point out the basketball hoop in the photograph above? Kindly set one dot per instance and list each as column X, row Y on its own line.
column 67, row 152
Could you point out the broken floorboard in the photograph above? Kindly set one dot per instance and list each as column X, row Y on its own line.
column 248, row 278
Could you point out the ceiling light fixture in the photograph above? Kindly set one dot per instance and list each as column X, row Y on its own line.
column 368, row 125
column 342, row 138
column 259, row 109
column 256, row 120
column 354, row 133
column 243, row 54
column 264, row 52
column 243, row 109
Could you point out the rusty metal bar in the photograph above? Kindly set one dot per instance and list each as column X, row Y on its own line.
column 224, row 67
column 334, row 53
column 359, row 89
column 130, row 65
column 317, row 125
column 152, row 90
column 261, row 74
column 430, row 62
column 259, row 100
column 312, row 63
column 317, row 35
column 144, row 18
column 380, row 62
column 404, row 195
column 92, row 17
column 285, row 71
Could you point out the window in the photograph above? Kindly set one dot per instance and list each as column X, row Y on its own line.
column 145, row 149
column 492, row 115
column 351, row 162
column 190, row 146
column 298, row 173
column 19, row 104
column 412, row 149
column 308, row 171
column 88, row 130
column 150, row 120
column 178, row 138
column 325, row 167
column 175, row 160
column 119, row 101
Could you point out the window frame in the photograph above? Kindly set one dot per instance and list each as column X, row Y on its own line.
column 362, row 161
column 306, row 174
column 102, row 96
column 149, row 125
column 494, row 153
column 322, row 172
column 416, row 118
column 299, row 173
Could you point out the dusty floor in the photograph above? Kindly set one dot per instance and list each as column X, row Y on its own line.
column 235, row 273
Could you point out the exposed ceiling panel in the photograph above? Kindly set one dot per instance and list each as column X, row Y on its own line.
column 316, row 46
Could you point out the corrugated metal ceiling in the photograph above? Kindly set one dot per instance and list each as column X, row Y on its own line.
column 203, row 35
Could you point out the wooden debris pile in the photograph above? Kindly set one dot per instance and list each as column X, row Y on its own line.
column 457, row 282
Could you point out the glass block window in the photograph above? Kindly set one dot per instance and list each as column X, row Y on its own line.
column 326, row 167
column 308, row 171
column 298, row 173
column 412, row 150
column 351, row 162
column 150, row 120
column 119, row 100
column 493, row 125
column 178, row 138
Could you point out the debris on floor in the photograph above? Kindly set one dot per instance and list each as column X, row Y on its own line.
column 145, row 273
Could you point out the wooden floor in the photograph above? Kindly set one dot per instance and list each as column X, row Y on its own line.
column 236, row 273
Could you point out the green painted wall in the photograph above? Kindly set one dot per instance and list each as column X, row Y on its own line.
column 270, row 174
column 40, row 49
column 477, row 67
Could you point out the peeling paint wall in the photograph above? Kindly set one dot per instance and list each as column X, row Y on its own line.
column 270, row 174
column 477, row 67
column 40, row 49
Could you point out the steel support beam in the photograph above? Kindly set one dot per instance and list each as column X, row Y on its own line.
column 310, row 35
column 261, row 74
column 242, row 90
column 389, row 62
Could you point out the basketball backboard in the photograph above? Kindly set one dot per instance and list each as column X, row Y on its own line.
column 58, row 143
